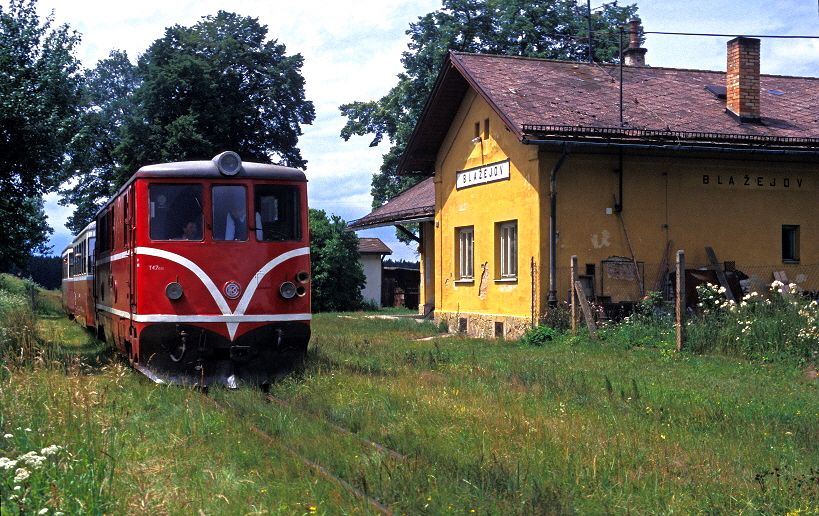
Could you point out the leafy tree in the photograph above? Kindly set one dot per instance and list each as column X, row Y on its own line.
column 557, row 29
column 217, row 86
column 97, row 171
column 196, row 92
column 41, row 96
column 337, row 275
column 27, row 234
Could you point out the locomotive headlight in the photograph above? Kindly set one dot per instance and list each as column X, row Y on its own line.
column 287, row 289
column 229, row 163
column 173, row 290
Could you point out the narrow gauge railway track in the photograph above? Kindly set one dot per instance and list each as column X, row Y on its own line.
column 335, row 427
column 372, row 502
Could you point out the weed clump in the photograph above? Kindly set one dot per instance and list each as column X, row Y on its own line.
column 540, row 336
column 773, row 326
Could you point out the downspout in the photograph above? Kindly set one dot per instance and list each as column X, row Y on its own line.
column 567, row 148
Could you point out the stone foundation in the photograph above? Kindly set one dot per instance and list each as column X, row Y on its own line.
column 484, row 326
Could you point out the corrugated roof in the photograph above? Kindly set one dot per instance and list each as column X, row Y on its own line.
column 544, row 98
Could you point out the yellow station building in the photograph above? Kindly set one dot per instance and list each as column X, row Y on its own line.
column 531, row 161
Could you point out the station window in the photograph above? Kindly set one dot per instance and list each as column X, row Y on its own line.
column 277, row 213
column 230, row 212
column 790, row 243
column 507, row 249
column 176, row 212
column 466, row 246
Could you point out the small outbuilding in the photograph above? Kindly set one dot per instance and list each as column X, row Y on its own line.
column 372, row 251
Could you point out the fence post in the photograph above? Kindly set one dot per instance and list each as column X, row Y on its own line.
column 574, row 294
column 680, row 298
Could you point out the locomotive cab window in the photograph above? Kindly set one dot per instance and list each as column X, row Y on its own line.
column 176, row 212
column 229, row 213
column 277, row 213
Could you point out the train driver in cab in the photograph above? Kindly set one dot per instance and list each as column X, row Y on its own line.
column 190, row 231
column 236, row 223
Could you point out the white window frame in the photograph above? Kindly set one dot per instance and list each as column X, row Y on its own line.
column 466, row 253
column 508, row 242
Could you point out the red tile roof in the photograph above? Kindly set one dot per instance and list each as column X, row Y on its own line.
column 412, row 205
column 542, row 98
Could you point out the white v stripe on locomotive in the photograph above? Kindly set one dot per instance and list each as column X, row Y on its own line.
column 230, row 318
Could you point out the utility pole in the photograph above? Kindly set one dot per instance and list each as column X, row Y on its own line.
column 591, row 46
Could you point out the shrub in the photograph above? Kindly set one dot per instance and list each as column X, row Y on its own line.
column 540, row 336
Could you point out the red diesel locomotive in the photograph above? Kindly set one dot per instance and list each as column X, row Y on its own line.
column 201, row 271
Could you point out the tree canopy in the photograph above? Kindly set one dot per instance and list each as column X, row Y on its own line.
column 337, row 276
column 218, row 85
column 557, row 29
column 41, row 96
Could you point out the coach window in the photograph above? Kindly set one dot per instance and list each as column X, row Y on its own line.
column 176, row 212
column 230, row 220
column 277, row 210
column 90, row 252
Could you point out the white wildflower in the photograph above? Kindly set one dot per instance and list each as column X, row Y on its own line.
column 43, row 511
column 21, row 475
column 51, row 450
column 32, row 459
column 7, row 463
column 8, row 436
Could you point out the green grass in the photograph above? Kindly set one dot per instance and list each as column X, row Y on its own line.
column 571, row 426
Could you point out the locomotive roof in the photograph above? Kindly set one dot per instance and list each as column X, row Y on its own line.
column 208, row 169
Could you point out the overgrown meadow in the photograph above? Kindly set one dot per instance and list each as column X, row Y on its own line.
column 551, row 424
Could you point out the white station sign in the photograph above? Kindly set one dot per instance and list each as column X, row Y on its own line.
column 484, row 174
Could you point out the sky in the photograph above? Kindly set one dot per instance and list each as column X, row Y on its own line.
column 352, row 52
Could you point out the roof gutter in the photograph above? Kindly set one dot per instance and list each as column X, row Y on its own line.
column 674, row 148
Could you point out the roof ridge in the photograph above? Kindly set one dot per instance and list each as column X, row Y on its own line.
column 617, row 65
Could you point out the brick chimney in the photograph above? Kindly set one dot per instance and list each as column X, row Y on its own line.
column 634, row 55
column 742, row 79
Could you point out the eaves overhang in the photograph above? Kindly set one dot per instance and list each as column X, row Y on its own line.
column 451, row 86
column 621, row 135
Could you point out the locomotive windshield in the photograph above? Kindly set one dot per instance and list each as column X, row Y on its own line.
column 277, row 213
column 176, row 212
column 229, row 213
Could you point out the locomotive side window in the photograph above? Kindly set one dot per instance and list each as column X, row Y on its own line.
column 176, row 212
column 229, row 213
column 277, row 213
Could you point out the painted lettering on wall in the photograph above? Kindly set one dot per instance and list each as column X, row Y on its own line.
column 751, row 181
column 483, row 174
